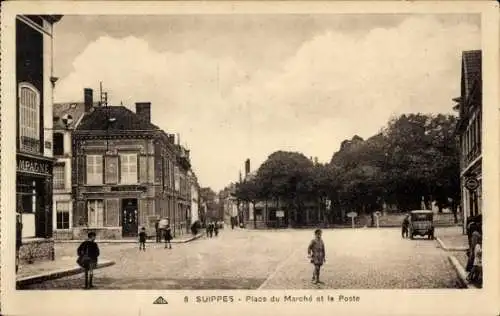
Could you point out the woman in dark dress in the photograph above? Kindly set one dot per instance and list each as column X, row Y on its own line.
column 168, row 237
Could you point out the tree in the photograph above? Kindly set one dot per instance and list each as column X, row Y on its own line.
column 286, row 176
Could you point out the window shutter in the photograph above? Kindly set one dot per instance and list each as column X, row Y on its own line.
column 143, row 169
column 112, row 213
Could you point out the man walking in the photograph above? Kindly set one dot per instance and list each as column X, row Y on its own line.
column 405, row 225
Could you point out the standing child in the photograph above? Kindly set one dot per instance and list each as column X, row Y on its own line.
column 142, row 239
column 168, row 237
column 316, row 251
column 88, row 252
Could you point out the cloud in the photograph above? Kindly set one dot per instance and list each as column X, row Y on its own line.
column 334, row 86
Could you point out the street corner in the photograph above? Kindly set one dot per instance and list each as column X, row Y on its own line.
column 47, row 274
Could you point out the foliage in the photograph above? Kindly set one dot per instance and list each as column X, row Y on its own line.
column 414, row 156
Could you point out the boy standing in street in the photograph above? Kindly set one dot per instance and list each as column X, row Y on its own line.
column 142, row 239
column 88, row 252
column 316, row 251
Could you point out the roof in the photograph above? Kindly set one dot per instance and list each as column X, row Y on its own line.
column 125, row 120
column 74, row 109
column 471, row 70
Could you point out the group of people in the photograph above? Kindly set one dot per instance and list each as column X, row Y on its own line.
column 475, row 253
column 163, row 230
column 212, row 229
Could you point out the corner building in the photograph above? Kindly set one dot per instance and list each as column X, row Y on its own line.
column 126, row 174
column 34, row 157
column 469, row 131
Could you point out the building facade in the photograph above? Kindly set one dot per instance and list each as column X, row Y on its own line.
column 34, row 157
column 127, row 173
column 469, row 132
column 195, row 198
column 67, row 116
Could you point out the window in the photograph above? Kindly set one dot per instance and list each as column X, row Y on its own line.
column 59, row 177
column 111, row 169
column 94, row 169
column 58, row 144
column 62, row 215
column 95, row 209
column 29, row 118
column 128, row 165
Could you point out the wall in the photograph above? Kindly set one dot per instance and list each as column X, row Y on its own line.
column 47, row 90
column 36, row 250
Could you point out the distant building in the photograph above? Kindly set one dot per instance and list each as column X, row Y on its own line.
column 34, row 157
column 127, row 173
column 469, row 127
column 67, row 116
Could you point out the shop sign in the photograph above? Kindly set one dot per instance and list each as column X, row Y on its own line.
column 34, row 166
column 471, row 184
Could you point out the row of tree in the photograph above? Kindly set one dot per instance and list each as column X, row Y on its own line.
column 415, row 156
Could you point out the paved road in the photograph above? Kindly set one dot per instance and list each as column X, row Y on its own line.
column 241, row 259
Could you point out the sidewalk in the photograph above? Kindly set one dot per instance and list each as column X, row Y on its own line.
column 184, row 239
column 48, row 270
column 452, row 238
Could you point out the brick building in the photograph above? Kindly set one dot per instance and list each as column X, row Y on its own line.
column 469, row 129
column 127, row 173
column 34, row 158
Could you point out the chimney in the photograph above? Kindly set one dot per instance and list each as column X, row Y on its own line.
column 88, row 99
column 143, row 109
column 247, row 167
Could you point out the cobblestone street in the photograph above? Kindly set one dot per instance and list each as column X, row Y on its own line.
column 246, row 259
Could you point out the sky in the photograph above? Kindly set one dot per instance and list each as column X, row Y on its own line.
column 244, row 86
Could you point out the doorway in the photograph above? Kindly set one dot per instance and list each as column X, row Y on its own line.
column 130, row 218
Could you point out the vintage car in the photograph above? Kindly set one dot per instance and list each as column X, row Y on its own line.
column 421, row 223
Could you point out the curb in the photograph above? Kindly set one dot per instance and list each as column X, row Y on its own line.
column 461, row 273
column 57, row 274
column 129, row 241
column 442, row 245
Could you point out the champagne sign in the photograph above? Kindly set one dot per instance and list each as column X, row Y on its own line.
column 34, row 166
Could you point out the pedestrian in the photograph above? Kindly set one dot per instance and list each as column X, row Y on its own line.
column 162, row 226
column 316, row 252
column 157, row 231
column 19, row 238
column 404, row 228
column 211, row 228
column 475, row 275
column 216, row 228
column 88, row 252
column 168, row 237
column 142, row 239
column 476, row 236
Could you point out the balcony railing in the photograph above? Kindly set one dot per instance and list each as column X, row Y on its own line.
column 29, row 144
column 473, row 154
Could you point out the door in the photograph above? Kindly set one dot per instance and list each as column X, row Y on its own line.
column 129, row 218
